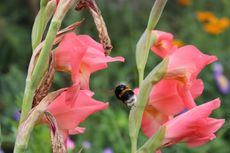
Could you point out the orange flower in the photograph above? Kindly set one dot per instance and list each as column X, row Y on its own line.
column 213, row 28
column 205, row 16
column 212, row 24
column 184, row 2
column 224, row 22
column 217, row 26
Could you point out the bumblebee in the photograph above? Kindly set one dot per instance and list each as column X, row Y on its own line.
column 126, row 95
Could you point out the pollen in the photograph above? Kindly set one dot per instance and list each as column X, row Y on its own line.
column 178, row 43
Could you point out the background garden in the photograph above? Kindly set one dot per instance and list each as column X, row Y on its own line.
column 203, row 23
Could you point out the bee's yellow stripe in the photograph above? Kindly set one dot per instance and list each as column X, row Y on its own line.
column 124, row 91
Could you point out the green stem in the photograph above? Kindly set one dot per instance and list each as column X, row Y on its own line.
column 133, row 144
column 42, row 61
column 28, row 97
column 39, row 69
column 141, row 76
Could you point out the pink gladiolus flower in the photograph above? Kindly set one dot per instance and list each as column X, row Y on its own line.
column 163, row 45
column 168, row 98
column 177, row 91
column 193, row 127
column 72, row 107
column 81, row 55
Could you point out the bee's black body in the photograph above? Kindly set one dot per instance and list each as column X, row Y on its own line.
column 125, row 94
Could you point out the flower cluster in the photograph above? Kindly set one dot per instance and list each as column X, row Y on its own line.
column 211, row 23
column 80, row 56
column 172, row 99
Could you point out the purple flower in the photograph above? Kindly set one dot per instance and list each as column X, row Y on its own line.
column 70, row 144
column 218, row 68
column 86, row 144
column 1, row 151
column 221, row 80
column 16, row 115
column 107, row 150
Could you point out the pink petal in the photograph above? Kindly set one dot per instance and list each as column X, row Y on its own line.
column 188, row 61
column 88, row 41
column 158, row 151
column 70, row 116
column 69, row 54
column 152, row 120
column 77, row 130
column 171, row 103
column 196, row 88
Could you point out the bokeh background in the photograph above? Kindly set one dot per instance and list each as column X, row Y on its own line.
column 107, row 131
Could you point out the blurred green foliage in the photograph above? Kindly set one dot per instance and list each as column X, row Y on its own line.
column 126, row 20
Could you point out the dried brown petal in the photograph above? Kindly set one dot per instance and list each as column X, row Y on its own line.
column 99, row 22
column 56, row 136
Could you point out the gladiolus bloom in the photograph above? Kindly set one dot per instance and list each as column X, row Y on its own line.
column 163, row 45
column 177, row 91
column 193, row 127
column 81, row 55
column 167, row 99
column 72, row 107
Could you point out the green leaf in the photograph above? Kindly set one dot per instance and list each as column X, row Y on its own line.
column 155, row 13
column 153, row 143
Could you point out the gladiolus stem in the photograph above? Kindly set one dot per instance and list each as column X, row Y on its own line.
column 142, row 52
column 136, row 113
column 42, row 61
